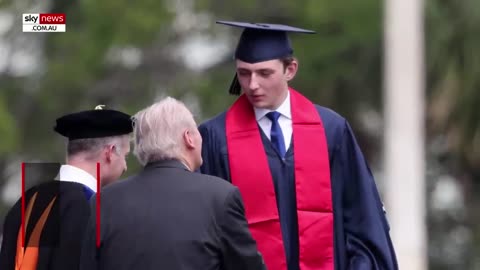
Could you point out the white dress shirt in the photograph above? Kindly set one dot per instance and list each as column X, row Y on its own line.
column 285, row 120
column 70, row 173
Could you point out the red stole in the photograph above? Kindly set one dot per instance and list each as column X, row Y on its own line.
column 249, row 171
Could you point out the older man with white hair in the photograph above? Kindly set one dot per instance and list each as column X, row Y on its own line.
column 168, row 216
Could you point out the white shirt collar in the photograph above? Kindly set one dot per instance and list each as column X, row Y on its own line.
column 284, row 109
column 70, row 173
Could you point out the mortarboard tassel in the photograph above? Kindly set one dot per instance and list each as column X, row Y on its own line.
column 235, row 88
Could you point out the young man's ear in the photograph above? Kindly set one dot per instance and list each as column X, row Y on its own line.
column 291, row 70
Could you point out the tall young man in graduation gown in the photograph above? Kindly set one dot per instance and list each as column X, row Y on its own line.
column 56, row 212
column 310, row 198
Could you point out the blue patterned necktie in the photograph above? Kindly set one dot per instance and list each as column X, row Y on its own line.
column 276, row 135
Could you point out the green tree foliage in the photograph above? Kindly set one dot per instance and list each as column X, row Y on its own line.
column 8, row 128
column 454, row 67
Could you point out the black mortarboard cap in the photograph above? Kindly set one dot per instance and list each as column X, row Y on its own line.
column 261, row 42
column 94, row 124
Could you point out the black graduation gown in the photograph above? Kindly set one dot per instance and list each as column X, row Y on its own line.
column 61, row 238
column 361, row 230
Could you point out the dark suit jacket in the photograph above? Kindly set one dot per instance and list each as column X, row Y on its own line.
column 169, row 218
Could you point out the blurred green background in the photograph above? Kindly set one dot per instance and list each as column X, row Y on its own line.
column 127, row 54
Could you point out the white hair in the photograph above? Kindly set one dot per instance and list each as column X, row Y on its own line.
column 158, row 130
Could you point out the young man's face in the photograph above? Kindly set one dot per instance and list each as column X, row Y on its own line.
column 265, row 83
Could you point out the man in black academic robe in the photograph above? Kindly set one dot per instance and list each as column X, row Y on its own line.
column 57, row 211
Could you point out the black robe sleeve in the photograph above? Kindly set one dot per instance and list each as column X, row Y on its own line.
column 365, row 229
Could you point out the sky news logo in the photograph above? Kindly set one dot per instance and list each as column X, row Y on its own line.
column 44, row 22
